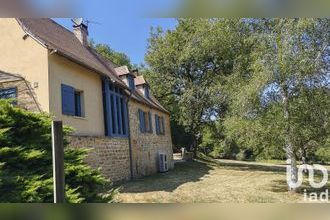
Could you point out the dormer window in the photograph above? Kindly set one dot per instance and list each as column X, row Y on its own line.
column 131, row 82
column 147, row 92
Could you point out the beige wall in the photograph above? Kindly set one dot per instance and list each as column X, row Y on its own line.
column 147, row 146
column 24, row 57
column 62, row 70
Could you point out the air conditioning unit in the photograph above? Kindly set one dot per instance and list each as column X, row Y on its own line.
column 163, row 167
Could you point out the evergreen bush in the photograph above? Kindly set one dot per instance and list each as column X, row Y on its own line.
column 26, row 162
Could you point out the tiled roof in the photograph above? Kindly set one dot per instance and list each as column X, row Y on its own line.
column 64, row 42
column 59, row 39
column 139, row 80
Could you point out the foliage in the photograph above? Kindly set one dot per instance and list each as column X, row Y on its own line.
column 26, row 162
column 259, row 84
column 186, row 64
column 118, row 58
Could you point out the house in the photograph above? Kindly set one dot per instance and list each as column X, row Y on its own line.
column 51, row 69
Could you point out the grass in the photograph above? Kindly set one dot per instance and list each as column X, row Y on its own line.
column 193, row 182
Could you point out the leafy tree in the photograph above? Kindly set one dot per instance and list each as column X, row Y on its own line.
column 281, row 99
column 26, row 162
column 119, row 59
column 187, row 63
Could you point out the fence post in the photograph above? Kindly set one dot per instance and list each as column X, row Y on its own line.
column 58, row 161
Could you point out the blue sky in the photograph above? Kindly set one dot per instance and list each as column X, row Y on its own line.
column 124, row 24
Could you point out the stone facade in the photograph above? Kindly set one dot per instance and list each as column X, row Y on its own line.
column 110, row 155
column 25, row 96
column 147, row 146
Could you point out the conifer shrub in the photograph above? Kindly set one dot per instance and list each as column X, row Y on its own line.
column 26, row 173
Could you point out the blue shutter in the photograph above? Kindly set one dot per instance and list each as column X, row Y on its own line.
column 147, row 92
column 131, row 82
column 163, row 126
column 78, row 104
column 68, row 107
column 150, row 122
column 141, row 120
column 126, row 117
column 157, row 124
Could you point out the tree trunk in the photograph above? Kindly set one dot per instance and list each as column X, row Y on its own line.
column 290, row 152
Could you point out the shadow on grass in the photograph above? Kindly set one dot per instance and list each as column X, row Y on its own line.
column 247, row 166
column 186, row 172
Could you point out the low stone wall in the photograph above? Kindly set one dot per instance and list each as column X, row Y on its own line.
column 111, row 155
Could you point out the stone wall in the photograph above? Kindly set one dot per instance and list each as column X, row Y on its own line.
column 147, row 146
column 110, row 155
column 25, row 95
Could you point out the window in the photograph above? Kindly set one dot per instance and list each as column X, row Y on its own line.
column 147, row 92
column 160, row 125
column 131, row 82
column 72, row 101
column 115, row 110
column 8, row 93
column 145, row 120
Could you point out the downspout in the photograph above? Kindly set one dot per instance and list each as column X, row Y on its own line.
column 129, row 138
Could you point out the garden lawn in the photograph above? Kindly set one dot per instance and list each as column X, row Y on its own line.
column 192, row 182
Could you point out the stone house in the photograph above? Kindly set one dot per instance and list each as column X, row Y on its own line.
column 48, row 68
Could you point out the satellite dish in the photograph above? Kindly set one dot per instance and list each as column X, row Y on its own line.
column 77, row 21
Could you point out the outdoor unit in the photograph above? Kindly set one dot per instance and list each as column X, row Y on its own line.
column 163, row 163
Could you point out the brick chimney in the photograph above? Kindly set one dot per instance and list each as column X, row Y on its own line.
column 81, row 32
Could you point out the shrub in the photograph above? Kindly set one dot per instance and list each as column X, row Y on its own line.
column 26, row 162
column 323, row 155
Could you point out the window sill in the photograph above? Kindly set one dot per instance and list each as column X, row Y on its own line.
column 75, row 117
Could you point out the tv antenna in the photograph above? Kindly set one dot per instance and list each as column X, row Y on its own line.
column 80, row 21
column 77, row 21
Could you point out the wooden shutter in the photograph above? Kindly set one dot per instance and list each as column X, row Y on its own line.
column 141, row 119
column 77, row 97
column 157, row 124
column 150, row 122
column 68, row 100
column 163, row 125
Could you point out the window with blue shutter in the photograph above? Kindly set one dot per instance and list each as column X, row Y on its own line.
column 145, row 121
column 141, row 121
column 72, row 101
column 68, row 100
column 115, row 110
column 157, row 124
column 150, row 122
column 8, row 93
column 163, row 126
column 147, row 92
column 131, row 82
column 160, row 125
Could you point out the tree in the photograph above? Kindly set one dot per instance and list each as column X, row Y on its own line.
column 187, row 63
column 280, row 98
column 26, row 162
column 119, row 59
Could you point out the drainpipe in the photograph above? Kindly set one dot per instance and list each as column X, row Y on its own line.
column 129, row 137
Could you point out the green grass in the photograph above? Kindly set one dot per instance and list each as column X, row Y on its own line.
column 192, row 182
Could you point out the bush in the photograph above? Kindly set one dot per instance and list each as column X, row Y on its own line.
column 244, row 155
column 323, row 155
column 227, row 149
column 26, row 162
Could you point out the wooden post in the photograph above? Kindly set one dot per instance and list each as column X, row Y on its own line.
column 58, row 161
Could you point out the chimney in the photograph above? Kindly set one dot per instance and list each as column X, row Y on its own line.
column 81, row 32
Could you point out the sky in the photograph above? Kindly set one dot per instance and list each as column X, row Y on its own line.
column 124, row 25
